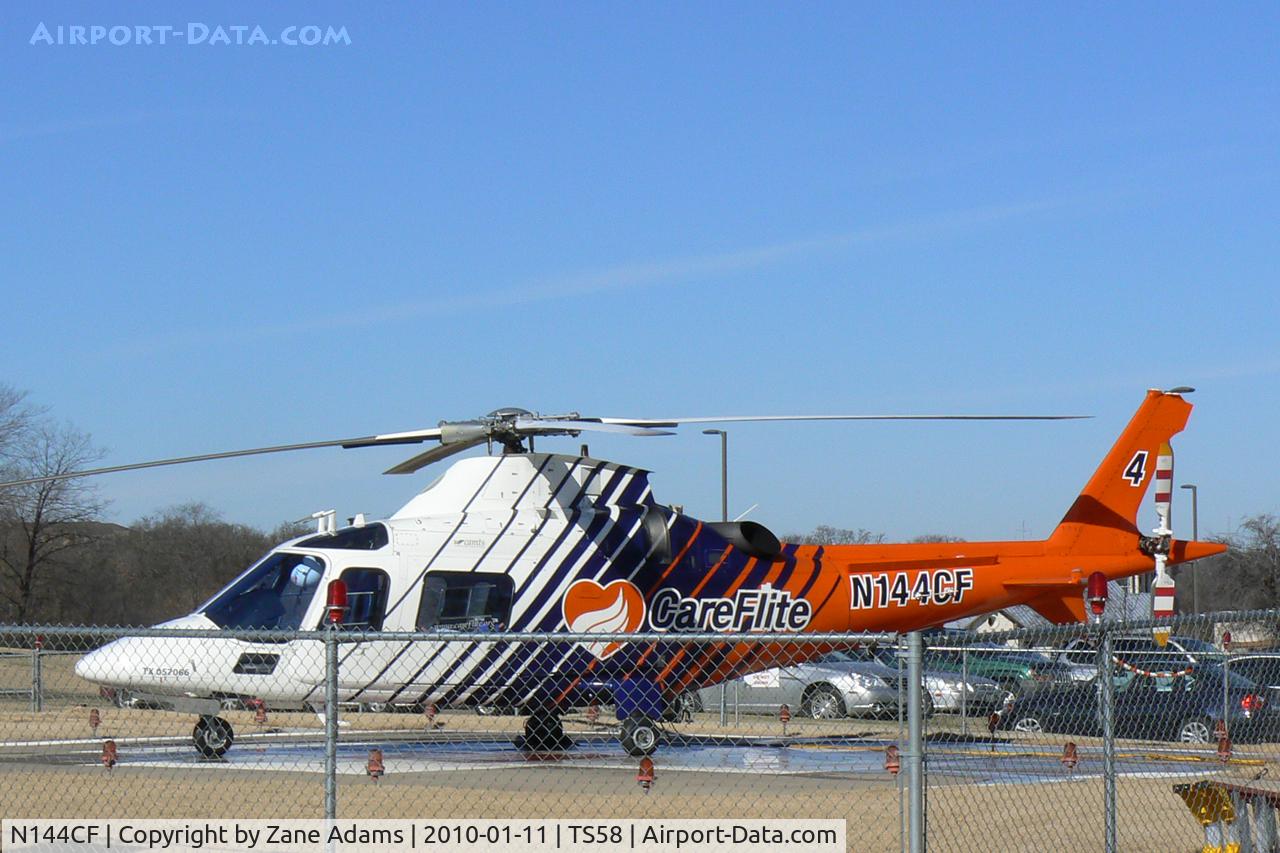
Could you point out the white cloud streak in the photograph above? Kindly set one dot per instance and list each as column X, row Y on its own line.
column 705, row 267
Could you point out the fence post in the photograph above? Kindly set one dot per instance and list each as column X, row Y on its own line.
column 331, row 721
column 964, row 692
column 1107, row 685
column 37, row 679
column 915, row 741
column 900, row 661
column 724, row 703
column 1226, row 687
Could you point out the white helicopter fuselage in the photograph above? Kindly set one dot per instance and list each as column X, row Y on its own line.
column 493, row 544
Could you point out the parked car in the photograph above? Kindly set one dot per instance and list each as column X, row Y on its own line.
column 1081, row 655
column 949, row 691
column 1179, row 652
column 1262, row 669
column 1014, row 670
column 838, row 684
column 1184, row 708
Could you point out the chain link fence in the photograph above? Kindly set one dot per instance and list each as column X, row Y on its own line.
column 1111, row 740
column 1072, row 737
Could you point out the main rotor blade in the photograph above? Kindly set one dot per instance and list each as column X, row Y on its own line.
column 530, row 425
column 566, row 425
column 412, row 437
column 435, row 454
column 672, row 422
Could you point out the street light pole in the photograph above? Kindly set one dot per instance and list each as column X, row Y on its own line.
column 724, row 470
column 1195, row 535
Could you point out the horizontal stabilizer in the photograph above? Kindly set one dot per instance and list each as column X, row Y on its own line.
column 1061, row 607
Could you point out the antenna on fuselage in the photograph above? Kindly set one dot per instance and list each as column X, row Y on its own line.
column 326, row 520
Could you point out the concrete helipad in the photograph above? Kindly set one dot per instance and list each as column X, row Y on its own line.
column 403, row 753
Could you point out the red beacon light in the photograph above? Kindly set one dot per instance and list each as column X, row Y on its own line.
column 336, row 608
column 1096, row 594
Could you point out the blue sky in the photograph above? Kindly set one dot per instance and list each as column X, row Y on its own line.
column 655, row 210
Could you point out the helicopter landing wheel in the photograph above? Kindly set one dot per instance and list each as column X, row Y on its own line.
column 639, row 735
column 544, row 732
column 212, row 736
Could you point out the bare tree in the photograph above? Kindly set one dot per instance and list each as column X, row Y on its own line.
column 1247, row 576
column 162, row 566
column 1262, row 543
column 825, row 534
column 15, row 417
column 286, row 530
column 188, row 551
column 40, row 523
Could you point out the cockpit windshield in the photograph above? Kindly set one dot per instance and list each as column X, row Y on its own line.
column 275, row 594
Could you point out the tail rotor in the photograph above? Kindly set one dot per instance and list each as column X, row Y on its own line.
column 1163, row 589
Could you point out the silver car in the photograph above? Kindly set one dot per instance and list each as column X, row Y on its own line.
column 949, row 691
column 838, row 684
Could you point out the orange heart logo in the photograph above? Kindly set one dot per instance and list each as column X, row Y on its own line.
column 615, row 608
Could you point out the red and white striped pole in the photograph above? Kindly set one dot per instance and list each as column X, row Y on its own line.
column 1163, row 589
column 1164, row 490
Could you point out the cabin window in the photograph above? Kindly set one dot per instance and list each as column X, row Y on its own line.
column 273, row 594
column 465, row 601
column 370, row 537
column 366, row 598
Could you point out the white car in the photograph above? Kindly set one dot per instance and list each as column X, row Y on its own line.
column 1081, row 656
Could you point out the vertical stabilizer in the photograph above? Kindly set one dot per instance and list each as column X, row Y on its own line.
column 1103, row 518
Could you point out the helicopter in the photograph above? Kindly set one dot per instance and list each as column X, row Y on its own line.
column 553, row 543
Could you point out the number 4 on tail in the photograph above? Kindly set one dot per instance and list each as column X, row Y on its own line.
column 1136, row 471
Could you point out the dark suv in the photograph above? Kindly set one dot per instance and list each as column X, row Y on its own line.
column 1183, row 708
column 1264, row 670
